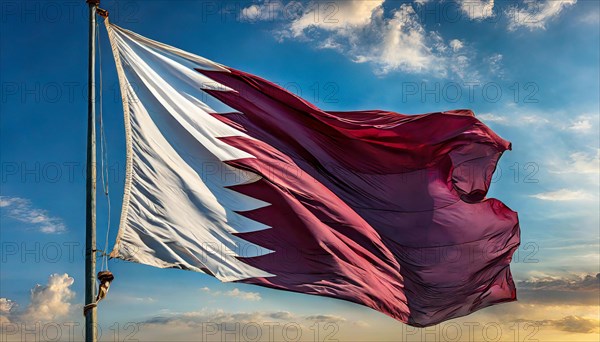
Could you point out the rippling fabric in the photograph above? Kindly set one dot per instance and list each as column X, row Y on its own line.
column 374, row 207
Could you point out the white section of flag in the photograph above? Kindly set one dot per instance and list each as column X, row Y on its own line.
column 177, row 211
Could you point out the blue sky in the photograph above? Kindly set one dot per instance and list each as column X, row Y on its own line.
column 528, row 70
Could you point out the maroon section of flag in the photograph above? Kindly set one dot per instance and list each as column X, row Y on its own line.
column 374, row 207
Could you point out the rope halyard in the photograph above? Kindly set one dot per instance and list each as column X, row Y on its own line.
column 103, row 155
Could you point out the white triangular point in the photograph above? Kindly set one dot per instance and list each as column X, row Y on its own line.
column 165, row 81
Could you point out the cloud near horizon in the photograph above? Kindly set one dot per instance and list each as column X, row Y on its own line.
column 235, row 293
column 562, row 195
column 566, row 289
column 46, row 302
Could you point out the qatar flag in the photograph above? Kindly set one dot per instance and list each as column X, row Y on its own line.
column 231, row 175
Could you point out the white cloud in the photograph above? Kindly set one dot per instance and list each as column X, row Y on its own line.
column 536, row 14
column 330, row 43
column 46, row 302
column 562, row 195
column 50, row 301
column 404, row 44
column 6, row 306
column 249, row 296
column 560, row 122
column 579, row 163
column 20, row 209
column 267, row 10
column 456, row 45
column 236, row 293
column 390, row 42
column 489, row 117
column 581, row 125
column 460, row 65
column 532, row 119
column 337, row 16
column 477, row 9
column 251, row 12
column 495, row 63
column 518, row 121
column 391, row 39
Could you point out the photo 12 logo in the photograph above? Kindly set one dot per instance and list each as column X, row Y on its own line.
column 68, row 331
column 452, row 92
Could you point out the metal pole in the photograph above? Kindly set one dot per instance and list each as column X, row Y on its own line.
column 90, row 186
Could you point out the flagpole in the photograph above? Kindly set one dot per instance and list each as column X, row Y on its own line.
column 90, row 186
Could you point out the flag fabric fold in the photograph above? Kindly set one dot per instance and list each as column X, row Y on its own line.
column 374, row 207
